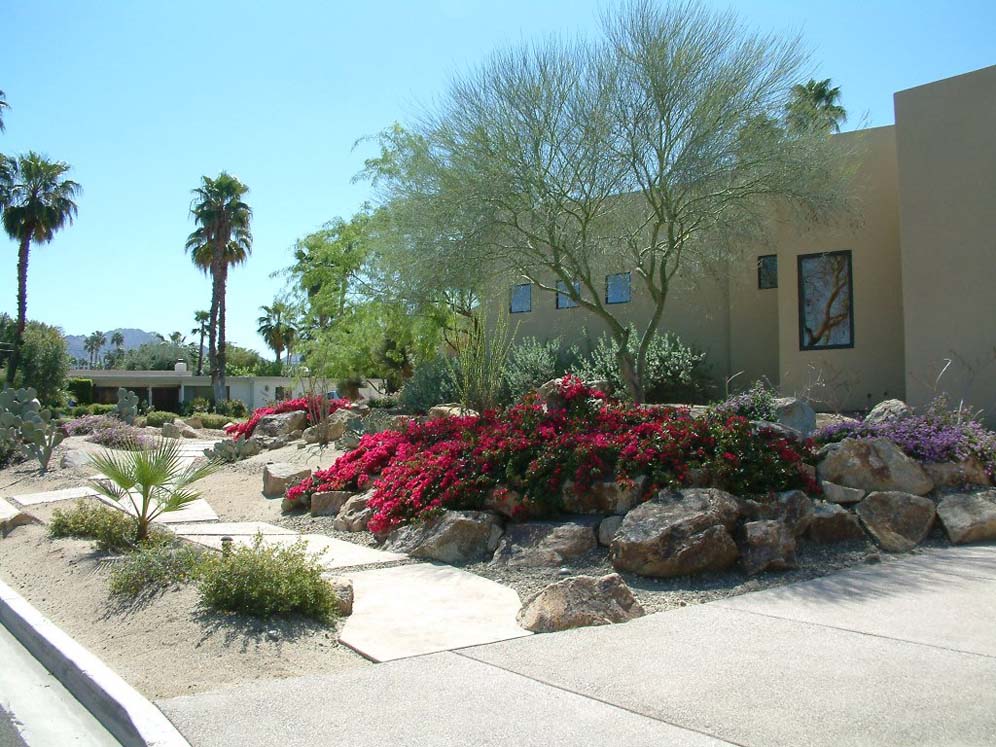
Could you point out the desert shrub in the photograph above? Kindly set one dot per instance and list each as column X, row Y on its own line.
column 309, row 405
column 111, row 529
column 232, row 408
column 431, row 384
column 756, row 403
column 675, row 372
column 265, row 580
column 153, row 568
column 384, row 402
column 454, row 462
column 200, row 404
column 87, row 424
column 118, row 435
column 92, row 409
column 533, row 362
column 938, row 434
column 157, row 418
column 81, row 390
column 212, row 420
column 480, row 366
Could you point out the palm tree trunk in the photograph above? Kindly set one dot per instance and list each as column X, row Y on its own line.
column 219, row 387
column 213, row 322
column 22, row 305
column 200, row 353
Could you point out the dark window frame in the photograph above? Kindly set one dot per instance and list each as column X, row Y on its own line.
column 511, row 299
column 571, row 303
column 629, row 287
column 850, row 300
column 760, row 285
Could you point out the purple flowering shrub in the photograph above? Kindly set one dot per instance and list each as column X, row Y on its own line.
column 936, row 435
column 756, row 403
column 119, row 435
column 87, row 424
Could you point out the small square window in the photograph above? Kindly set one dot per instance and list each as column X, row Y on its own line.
column 564, row 301
column 522, row 298
column 767, row 271
column 617, row 288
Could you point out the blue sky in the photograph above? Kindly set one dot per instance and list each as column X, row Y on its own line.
column 143, row 98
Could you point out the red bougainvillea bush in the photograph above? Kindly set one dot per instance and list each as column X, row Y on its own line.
column 455, row 462
column 309, row 405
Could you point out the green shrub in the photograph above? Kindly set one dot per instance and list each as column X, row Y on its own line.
column 756, row 403
column 44, row 363
column 157, row 418
column 265, row 580
column 384, row 402
column 233, row 408
column 93, row 409
column 675, row 372
column 200, row 404
column 212, row 420
column 431, row 384
column 153, row 568
column 533, row 362
column 111, row 529
column 81, row 389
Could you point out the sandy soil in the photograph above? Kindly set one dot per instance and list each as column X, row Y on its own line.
column 168, row 646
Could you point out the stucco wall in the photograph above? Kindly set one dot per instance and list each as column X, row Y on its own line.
column 858, row 377
column 753, row 323
column 946, row 138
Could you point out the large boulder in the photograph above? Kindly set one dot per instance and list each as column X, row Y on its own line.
column 969, row 517
column 11, row 517
column 331, row 429
column 792, row 507
column 890, row 409
column 74, row 459
column 540, row 544
column 678, row 534
column 278, row 476
column 796, row 414
column 580, row 601
column 873, row 464
column 453, row 537
column 282, row 424
column 607, row 529
column 604, row 496
column 967, row 473
column 897, row 521
column 451, row 410
column 329, row 502
column 767, row 546
column 354, row 514
column 342, row 587
column 831, row 523
column 839, row 494
column 178, row 429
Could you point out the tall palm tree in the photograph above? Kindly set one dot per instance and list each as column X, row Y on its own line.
column 201, row 320
column 94, row 342
column 815, row 104
column 177, row 338
column 117, row 340
column 223, row 234
column 277, row 327
column 40, row 201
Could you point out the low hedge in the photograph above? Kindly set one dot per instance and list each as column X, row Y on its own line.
column 158, row 418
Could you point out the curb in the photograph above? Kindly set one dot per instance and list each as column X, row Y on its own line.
column 122, row 710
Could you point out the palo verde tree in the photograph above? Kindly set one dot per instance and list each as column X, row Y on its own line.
column 222, row 238
column 660, row 146
column 39, row 201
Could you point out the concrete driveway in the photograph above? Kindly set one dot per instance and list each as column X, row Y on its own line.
column 902, row 653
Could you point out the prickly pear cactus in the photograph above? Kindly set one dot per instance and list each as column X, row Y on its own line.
column 127, row 405
column 24, row 424
column 233, row 450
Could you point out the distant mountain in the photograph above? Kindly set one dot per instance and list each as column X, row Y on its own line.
column 133, row 338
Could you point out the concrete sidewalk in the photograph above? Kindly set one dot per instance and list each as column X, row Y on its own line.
column 902, row 653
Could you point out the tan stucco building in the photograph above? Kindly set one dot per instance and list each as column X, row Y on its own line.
column 872, row 308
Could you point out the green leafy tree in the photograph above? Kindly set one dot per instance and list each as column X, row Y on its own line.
column 222, row 238
column 44, row 362
column 660, row 147
column 201, row 319
column 815, row 104
column 156, row 356
column 39, row 202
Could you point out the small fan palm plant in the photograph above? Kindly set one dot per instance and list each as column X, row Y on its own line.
column 154, row 481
